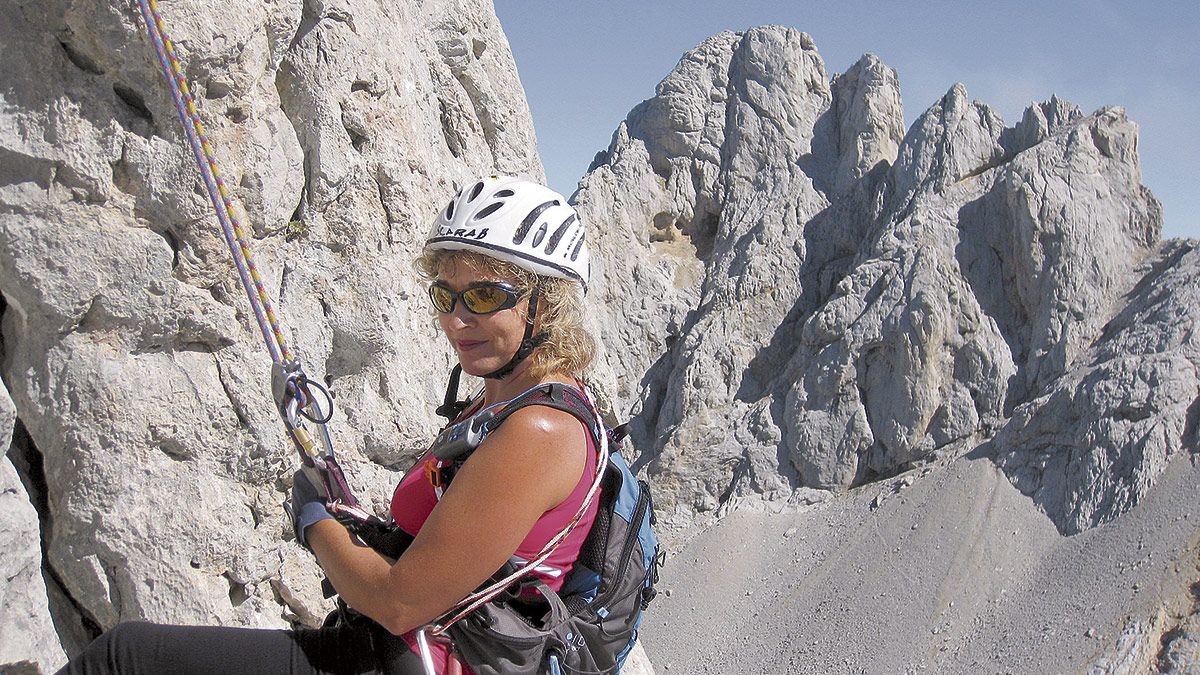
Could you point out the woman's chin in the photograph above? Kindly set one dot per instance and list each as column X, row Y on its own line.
column 478, row 367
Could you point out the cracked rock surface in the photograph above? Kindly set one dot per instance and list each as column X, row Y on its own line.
column 27, row 633
column 129, row 347
column 818, row 299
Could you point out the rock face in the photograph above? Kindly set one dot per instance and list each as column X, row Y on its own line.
column 127, row 349
column 1182, row 650
column 817, row 302
column 1091, row 446
column 26, row 630
column 723, row 190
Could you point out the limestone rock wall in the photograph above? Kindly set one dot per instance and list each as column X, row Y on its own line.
column 1090, row 446
column 133, row 363
column 26, row 631
column 715, row 191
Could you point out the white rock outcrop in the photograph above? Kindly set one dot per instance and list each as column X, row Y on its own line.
column 715, row 192
column 341, row 125
column 27, row 632
column 1090, row 447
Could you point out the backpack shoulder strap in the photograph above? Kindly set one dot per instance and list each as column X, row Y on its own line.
column 554, row 395
column 458, row 441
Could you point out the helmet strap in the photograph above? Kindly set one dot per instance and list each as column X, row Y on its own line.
column 529, row 342
column 451, row 407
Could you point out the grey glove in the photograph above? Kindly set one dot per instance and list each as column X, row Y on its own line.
column 306, row 506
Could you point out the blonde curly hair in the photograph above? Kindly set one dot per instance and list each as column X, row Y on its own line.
column 569, row 348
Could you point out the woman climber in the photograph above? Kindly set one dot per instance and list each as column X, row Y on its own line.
column 508, row 266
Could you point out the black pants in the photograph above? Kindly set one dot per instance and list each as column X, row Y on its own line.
column 140, row 648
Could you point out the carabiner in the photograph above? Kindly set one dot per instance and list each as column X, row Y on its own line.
column 292, row 415
column 423, row 638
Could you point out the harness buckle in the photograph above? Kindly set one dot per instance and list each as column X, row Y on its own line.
column 433, row 473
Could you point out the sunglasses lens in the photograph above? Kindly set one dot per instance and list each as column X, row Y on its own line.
column 478, row 299
column 485, row 299
column 443, row 298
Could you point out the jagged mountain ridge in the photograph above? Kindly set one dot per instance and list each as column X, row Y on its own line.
column 840, row 303
column 971, row 294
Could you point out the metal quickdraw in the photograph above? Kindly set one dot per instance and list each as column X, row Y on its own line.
column 299, row 406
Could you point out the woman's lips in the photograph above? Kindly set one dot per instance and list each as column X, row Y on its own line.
column 467, row 345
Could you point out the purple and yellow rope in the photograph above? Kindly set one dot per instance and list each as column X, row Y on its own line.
column 235, row 236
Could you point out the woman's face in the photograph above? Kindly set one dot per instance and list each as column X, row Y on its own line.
column 483, row 342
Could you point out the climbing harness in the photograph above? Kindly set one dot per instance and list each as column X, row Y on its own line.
column 295, row 394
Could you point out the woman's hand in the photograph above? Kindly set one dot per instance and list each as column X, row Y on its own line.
column 307, row 505
column 529, row 465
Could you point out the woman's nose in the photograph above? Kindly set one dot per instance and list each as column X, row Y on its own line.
column 459, row 316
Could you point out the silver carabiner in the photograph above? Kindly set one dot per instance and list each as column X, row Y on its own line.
column 293, row 413
column 424, row 653
column 432, row 632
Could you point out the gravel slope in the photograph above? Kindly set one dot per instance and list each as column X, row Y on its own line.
column 945, row 569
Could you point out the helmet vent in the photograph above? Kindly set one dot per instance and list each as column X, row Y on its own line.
column 488, row 210
column 475, row 191
column 450, row 210
column 504, row 193
column 523, row 230
column 558, row 234
column 539, row 236
column 575, row 253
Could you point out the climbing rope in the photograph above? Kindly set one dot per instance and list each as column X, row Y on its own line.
column 293, row 390
column 235, row 235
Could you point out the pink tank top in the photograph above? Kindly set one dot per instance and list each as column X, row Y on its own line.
column 415, row 498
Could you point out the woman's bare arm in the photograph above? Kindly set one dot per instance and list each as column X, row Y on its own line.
column 529, row 465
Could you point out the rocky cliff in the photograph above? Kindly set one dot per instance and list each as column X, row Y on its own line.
column 819, row 300
column 144, row 425
column 799, row 297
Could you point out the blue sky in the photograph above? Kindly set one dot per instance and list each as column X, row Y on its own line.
column 585, row 64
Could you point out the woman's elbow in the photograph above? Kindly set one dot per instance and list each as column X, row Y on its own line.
column 395, row 623
column 395, row 619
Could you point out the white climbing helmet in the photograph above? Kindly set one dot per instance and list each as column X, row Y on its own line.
column 518, row 221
